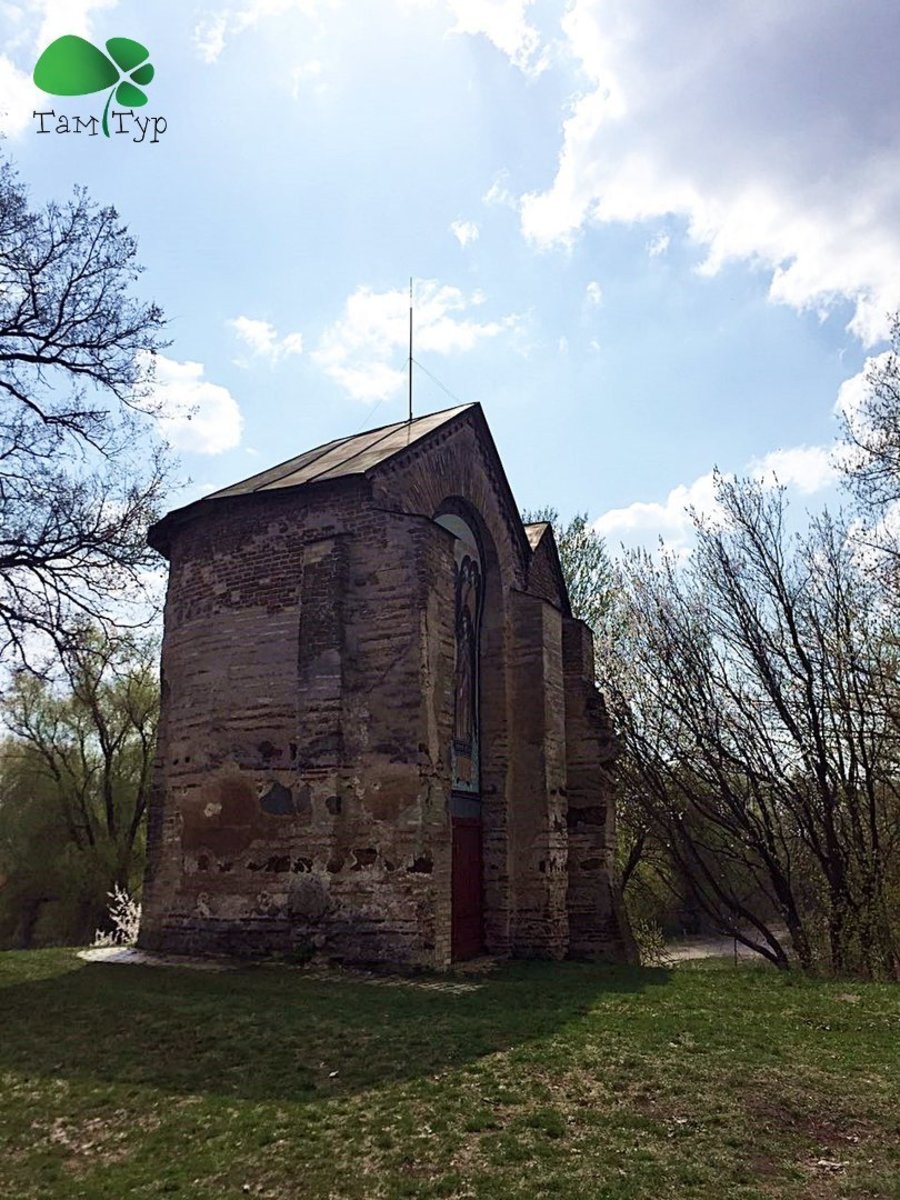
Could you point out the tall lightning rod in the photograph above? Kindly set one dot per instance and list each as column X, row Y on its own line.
column 410, row 346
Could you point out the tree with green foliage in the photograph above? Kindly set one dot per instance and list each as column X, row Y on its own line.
column 74, row 783
column 585, row 564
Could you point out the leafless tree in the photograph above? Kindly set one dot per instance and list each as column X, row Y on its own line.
column 81, row 472
column 871, row 461
column 756, row 690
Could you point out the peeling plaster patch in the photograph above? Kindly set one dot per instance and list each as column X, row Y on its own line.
column 364, row 684
column 278, row 801
column 266, row 905
column 276, row 863
column 307, row 899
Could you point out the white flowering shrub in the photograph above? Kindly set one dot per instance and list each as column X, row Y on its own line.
column 125, row 914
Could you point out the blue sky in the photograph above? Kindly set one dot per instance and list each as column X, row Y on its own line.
column 650, row 238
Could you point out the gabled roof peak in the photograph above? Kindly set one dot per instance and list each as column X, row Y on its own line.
column 353, row 455
column 534, row 531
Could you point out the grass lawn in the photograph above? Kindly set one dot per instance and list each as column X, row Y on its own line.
column 540, row 1079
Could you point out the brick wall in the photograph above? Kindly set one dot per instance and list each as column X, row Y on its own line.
column 597, row 926
column 302, row 789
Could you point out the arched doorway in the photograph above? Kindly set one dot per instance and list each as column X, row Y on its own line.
column 467, row 903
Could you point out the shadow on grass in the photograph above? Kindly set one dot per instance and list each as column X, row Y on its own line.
column 272, row 1034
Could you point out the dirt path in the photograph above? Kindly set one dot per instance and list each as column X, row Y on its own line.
column 710, row 947
column 675, row 952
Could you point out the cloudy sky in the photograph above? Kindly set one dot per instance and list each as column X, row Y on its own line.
column 649, row 237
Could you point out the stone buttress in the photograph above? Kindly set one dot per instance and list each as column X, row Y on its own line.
column 304, row 797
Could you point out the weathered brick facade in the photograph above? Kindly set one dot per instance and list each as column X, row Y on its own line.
column 304, row 793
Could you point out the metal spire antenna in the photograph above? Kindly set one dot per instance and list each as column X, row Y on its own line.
column 410, row 346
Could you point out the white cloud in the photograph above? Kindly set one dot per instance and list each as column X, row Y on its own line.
column 304, row 75
column 465, row 232
column 66, row 16
column 31, row 27
column 363, row 350
column 851, row 400
column 216, row 28
column 505, row 24
column 646, row 521
column 499, row 194
column 658, row 245
column 807, row 468
column 209, row 37
column 197, row 415
column 19, row 98
column 198, row 490
column 853, row 391
column 593, row 293
column 768, row 127
column 262, row 339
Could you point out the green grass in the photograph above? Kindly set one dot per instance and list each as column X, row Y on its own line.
column 555, row 1080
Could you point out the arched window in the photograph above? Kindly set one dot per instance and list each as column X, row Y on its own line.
column 468, row 593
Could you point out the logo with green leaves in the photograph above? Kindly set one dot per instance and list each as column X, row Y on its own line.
column 72, row 66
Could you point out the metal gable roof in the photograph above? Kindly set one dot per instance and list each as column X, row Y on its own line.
column 348, row 458
column 345, row 456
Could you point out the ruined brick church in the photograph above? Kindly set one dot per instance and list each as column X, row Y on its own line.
column 380, row 734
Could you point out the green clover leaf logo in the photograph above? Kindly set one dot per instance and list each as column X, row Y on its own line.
column 71, row 66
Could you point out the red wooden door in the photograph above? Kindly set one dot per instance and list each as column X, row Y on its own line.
column 467, row 938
